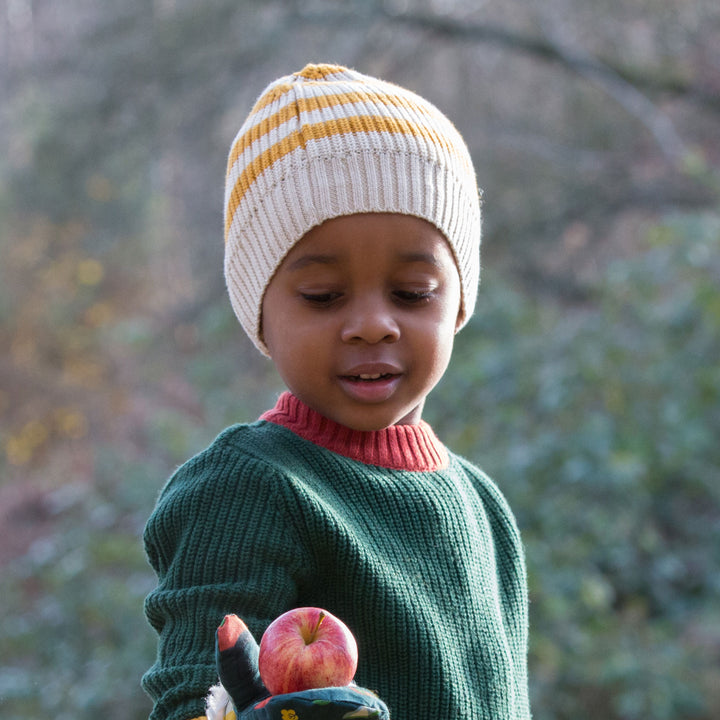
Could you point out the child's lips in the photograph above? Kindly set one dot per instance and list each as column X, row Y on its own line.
column 371, row 383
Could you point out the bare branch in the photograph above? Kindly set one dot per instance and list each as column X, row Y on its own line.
column 641, row 79
column 627, row 95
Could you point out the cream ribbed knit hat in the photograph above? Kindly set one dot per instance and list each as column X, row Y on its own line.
column 328, row 141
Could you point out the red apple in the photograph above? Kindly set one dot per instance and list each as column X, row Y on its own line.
column 307, row 648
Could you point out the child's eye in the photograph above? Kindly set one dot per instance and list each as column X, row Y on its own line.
column 324, row 298
column 413, row 296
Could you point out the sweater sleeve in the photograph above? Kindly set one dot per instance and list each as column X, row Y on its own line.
column 221, row 541
column 511, row 573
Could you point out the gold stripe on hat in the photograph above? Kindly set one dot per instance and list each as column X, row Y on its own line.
column 354, row 124
column 309, row 72
column 319, row 72
column 309, row 104
column 275, row 93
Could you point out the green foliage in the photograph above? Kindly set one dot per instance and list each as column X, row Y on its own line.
column 73, row 635
column 601, row 426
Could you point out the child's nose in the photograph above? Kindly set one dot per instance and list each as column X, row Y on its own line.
column 371, row 323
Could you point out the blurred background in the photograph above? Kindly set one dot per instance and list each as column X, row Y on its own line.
column 587, row 384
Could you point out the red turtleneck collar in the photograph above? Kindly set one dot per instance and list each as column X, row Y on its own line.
column 399, row 447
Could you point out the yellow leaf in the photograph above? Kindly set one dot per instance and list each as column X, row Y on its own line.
column 90, row 272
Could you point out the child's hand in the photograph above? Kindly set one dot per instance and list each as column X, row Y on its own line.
column 236, row 654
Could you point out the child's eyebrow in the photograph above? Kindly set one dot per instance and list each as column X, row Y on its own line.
column 411, row 257
column 305, row 260
column 420, row 257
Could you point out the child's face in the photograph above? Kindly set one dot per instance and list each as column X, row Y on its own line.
column 361, row 315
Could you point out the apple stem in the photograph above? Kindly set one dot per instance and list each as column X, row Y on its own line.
column 321, row 617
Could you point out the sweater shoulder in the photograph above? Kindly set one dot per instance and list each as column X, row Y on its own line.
column 237, row 450
column 482, row 482
column 492, row 496
column 234, row 475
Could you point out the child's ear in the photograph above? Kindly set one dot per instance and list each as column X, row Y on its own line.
column 460, row 318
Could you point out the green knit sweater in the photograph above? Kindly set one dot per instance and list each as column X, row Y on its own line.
column 412, row 546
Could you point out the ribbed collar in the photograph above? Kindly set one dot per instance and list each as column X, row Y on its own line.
column 399, row 447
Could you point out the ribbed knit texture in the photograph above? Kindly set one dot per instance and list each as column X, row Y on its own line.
column 402, row 447
column 329, row 141
column 425, row 567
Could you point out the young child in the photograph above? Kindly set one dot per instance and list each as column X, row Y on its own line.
column 352, row 229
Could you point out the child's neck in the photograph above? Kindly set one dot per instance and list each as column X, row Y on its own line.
column 399, row 447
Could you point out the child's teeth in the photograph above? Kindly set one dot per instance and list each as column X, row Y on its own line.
column 369, row 377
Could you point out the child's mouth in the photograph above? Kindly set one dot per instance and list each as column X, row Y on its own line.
column 370, row 387
column 366, row 377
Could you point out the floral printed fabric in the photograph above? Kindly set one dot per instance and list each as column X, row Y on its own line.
column 337, row 703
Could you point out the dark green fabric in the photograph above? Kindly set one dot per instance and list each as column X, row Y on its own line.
column 426, row 568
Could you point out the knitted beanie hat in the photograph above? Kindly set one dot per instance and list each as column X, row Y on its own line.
column 328, row 141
